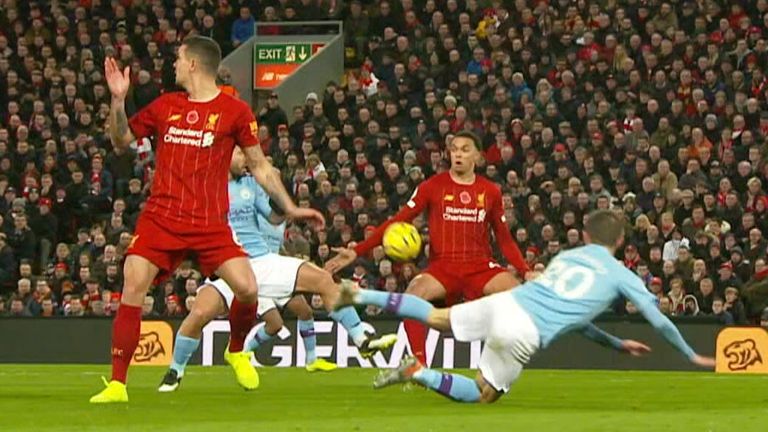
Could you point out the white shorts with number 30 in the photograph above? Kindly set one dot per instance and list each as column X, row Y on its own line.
column 276, row 277
column 510, row 336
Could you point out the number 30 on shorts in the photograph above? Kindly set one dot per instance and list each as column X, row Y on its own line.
column 568, row 282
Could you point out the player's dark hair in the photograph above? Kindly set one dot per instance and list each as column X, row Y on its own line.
column 206, row 51
column 604, row 228
column 472, row 136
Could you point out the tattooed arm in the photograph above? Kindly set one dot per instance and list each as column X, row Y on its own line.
column 119, row 131
column 268, row 177
column 118, row 82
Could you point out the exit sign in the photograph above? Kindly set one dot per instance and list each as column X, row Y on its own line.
column 283, row 53
column 274, row 62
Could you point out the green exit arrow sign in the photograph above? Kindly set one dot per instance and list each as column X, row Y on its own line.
column 282, row 53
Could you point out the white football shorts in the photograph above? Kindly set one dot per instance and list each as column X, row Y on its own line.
column 510, row 336
column 276, row 277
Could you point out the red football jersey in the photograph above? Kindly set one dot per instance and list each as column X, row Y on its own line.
column 460, row 219
column 193, row 148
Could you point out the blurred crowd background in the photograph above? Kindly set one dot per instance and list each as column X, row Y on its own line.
column 656, row 109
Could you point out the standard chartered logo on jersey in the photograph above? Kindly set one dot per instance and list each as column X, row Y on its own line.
column 190, row 137
column 459, row 214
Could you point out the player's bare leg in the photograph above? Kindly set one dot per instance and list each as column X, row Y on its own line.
column 488, row 394
column 313, row 279
column 237, row 273
column 139, row 273
column 273, row 322
column 501, row 282
column 208, row 305
column 427, row 287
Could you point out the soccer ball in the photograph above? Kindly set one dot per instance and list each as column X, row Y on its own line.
column 402, row 241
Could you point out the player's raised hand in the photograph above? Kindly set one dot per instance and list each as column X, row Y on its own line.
column 313, row 216
column 344, row 257
column 635, row 348
column 117, row 81
column 702, row 361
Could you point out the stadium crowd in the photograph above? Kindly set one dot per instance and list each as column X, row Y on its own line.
column 657, row 109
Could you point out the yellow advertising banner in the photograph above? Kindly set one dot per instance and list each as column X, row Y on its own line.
column 742, row 350
column 155, row 344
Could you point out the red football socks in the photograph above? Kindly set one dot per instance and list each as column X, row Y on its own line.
column 126, row 330
column 241, row 320
column 417, row 338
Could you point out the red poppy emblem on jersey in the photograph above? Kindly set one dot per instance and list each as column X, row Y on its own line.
column 465, row 197
column 193, row 117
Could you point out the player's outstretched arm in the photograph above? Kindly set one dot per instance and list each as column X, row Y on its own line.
column 118, row 82
column 643, row 300
column 266, row 175
column 414, row 207
column 505, row 241
column 347, row 255
column 269, row 178
column 344, row 257
column 670, row 332
column 606, row 339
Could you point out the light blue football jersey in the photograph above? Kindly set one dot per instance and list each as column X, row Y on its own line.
column 272, row 234
column 580, row 284
column 248, row 212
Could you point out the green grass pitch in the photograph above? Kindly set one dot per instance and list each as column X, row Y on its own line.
column 55, row 398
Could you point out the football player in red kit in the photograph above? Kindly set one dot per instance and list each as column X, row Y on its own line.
column 195, row 133
column 462, row 210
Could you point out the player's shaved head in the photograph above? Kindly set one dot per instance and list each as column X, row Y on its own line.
column 604, row 228
column 205, row 51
